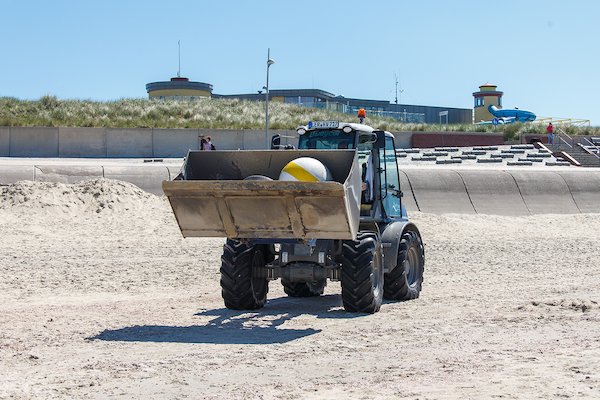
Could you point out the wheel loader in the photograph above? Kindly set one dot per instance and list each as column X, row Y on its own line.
column 351, row 228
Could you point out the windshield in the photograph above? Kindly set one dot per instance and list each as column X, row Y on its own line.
column 327, row 139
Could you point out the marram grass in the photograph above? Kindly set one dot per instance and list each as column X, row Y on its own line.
column 211, row 114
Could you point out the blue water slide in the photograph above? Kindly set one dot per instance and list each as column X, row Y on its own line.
column 510, row 115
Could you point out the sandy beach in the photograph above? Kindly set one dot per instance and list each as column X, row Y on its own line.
column 101, row 297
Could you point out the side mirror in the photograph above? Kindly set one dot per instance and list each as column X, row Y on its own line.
column 276, row 142
column 367, row 138
column 380, row 139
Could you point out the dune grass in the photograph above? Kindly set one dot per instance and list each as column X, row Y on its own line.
column 212, row 114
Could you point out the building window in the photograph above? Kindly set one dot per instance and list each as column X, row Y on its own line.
column 292, row 100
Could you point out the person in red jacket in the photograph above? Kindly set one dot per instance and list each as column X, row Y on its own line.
column 362, row 114
column 550, row 131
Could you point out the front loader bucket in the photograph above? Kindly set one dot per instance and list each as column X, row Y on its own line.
column 213, row 199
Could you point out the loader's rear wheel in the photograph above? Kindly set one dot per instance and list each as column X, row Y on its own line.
column 241, row 289
column 362, row 273
column 404, row 282
column 304, row 289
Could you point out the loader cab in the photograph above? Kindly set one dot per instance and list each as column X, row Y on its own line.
column 386, row 204
column 376, row 157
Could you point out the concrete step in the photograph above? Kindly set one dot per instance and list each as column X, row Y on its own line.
column 584, row 158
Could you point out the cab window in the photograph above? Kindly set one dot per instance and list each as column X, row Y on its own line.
column 390, row 182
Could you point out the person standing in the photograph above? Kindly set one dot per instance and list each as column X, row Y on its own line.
column 550, row 132
column 362, row 114
column 208, row 145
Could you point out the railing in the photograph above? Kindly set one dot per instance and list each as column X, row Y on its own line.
column 591, row 148
column 559, row 134
column 414, row 118
column 563, row 121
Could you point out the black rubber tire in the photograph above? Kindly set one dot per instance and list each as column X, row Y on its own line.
column 304, row 289
column 239, row 288
column 405, row 281
column 362, row 273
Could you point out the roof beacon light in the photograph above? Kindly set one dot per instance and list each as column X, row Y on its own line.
column 347, row 129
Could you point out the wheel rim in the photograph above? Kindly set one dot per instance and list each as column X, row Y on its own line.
column 258, row 284
column 410, row 266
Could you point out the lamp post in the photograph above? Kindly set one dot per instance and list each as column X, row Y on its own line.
column 269, row 63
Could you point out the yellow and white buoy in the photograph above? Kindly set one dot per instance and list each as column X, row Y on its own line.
column 305, row 169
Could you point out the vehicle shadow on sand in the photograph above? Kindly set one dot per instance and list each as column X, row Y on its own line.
column 262, row 326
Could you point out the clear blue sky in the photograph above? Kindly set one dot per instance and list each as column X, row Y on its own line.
column 542, row 54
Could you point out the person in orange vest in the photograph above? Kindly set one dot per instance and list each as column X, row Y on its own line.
column 362, row 114
column 550, row 132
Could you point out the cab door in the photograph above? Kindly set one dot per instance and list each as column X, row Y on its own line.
column 390, row 181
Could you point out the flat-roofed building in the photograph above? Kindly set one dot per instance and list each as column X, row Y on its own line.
column 178, row 88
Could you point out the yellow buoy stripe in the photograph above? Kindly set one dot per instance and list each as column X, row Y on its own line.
column 298, row 172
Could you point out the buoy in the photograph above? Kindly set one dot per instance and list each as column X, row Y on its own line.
column 305, row 169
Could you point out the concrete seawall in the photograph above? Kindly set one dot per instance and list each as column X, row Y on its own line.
column 66, row 142
column 70, row 142
column 438, row 191
column 503, row 192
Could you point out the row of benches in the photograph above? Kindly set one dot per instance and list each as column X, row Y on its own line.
column 523, row 154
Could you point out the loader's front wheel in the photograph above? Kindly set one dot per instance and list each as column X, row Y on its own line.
column 304, row 289
column 404, row 282
column 240, row 287
column 362, row 273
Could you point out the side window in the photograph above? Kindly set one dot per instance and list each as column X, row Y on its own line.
column 366, row 168
column 390, row 182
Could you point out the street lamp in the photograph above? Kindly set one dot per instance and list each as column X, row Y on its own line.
column 269, row 63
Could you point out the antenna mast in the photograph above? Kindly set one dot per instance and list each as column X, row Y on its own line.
column 401, row 90
column 179, row 69
column 396, row 76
